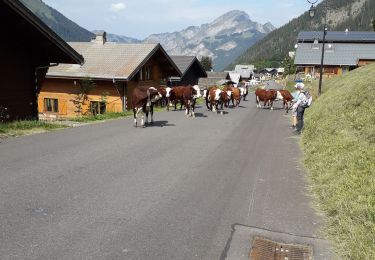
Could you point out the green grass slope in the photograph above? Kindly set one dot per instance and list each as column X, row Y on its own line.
column 339, row 146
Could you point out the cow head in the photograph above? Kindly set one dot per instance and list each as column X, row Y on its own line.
column 154, row 94
column 198, row 90
column 242, row 90
column 168, row 92
column 217, row 94
column 279, row 96
column 205, row 91
column 229, row 93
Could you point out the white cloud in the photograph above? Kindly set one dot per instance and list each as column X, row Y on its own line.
column 117, row 7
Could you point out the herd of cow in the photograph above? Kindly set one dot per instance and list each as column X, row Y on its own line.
column 145, row 97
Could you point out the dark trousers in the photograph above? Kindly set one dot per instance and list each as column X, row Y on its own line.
column 300, row 112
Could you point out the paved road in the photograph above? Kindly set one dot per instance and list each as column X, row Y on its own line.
column 172, row 191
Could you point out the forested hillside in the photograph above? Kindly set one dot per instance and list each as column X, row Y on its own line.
column 65, row 28
column 356, row 15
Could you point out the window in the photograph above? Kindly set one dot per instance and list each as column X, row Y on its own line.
column 98, row 107
column 51, row 105
column 315, row 45
column 145, row 73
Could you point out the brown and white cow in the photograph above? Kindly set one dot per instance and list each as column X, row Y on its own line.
column 176, row 94
column 190, row 95
column 213, row 97
column 226, row 96
column 143, row 98
column 267, row 96
column 287, row 98
column 244, row 88
column 236, row 96
column 163, row 91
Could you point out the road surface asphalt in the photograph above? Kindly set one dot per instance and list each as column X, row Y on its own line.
column 170, row 191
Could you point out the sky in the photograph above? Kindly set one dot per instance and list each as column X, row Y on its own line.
column 140, row 18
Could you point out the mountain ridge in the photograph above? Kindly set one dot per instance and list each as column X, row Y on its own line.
column 223, row 39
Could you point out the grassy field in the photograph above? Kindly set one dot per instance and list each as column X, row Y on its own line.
column 339, row 147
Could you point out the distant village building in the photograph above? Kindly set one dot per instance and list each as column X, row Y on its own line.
column 344, row 51
column 190, row 68
column 213, row 79
column 246, row 71
column 116, row 69
column 28, row 47
column 235, row 77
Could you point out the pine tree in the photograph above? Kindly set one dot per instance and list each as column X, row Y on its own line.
column 206, row 62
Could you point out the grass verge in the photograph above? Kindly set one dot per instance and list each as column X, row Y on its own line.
column 339, row 147
column 101, row 117
column 18, row 128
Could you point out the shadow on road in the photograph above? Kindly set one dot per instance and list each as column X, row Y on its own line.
column 160, row 124
column 200, row 115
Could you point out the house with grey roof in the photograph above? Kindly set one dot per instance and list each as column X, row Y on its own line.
column 344, row 51
column 191, row 70
column 114, row 68
column 28, row 47
column 213, row 79
column 246, row 71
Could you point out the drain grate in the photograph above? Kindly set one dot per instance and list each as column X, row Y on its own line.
column 264, row 249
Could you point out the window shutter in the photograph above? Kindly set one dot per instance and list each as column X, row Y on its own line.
column 41, row 108
column 63, row 109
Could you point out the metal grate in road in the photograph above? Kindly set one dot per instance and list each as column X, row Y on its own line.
column 264, row 249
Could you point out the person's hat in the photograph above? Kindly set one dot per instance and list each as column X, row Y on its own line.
column 299, row 86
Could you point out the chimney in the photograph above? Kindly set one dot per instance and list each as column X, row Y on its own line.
column 100, row 37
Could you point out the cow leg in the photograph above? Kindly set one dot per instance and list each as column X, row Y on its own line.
column 271, row 103
column 138, row 110
column 193, row 108
column 152, row 113
column 143, row 119
column 147, row 112
column 207, row 104
column 135, row 117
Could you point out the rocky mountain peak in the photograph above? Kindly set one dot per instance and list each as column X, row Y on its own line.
column 234, row 15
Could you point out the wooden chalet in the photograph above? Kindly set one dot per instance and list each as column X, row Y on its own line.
column 190, row 68
column 115, row 69
column 344, row 51
column 28, row 47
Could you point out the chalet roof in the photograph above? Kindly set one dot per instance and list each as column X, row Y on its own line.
column 21, row 19
column 338, row 36
column 218, row 75
column 184, row 63
column 244, row 70
column 213, row 79
column 109, row 60
column 339, row 54
column 235, row 77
